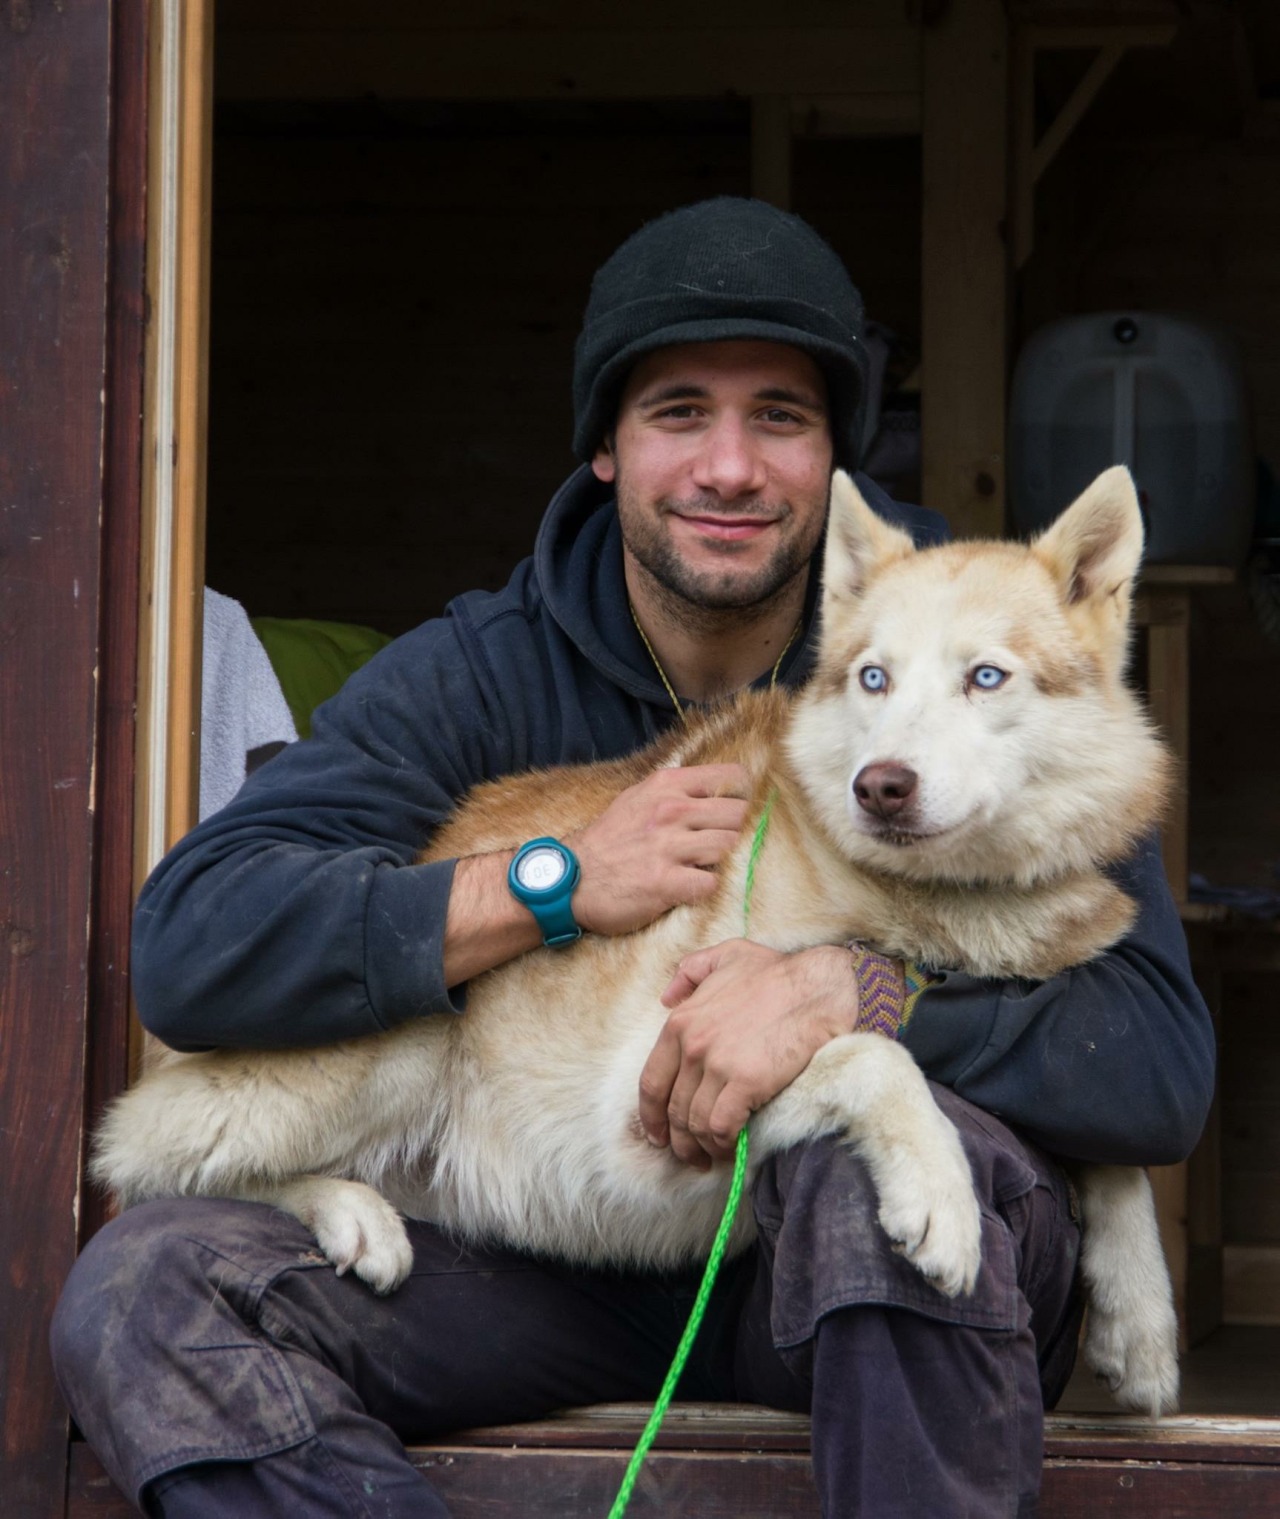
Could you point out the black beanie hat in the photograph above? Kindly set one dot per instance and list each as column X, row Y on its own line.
column 724, row 268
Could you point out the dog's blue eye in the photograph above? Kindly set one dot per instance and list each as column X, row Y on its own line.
column 873, row 677
column 988, row 677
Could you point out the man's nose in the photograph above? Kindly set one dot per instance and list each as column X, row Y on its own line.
column 729, row 461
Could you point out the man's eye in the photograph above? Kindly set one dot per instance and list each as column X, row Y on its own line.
column 780, row 418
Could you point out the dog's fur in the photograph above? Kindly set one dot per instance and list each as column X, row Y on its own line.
column 517, row 1122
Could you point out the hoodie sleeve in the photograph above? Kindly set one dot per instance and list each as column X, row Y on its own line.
column 295, row 915
column 1110, row 1062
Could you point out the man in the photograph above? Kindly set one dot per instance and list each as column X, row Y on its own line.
column 213, row 1359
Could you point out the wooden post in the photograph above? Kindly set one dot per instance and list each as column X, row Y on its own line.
column 965, row 265
column 178, row 244
column 58, row 439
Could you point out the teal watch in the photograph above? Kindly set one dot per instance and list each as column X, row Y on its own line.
column 543, row 876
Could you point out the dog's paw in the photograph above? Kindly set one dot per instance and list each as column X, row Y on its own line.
column 1136, row 1355
column 928, row 1209
column 359, row 1231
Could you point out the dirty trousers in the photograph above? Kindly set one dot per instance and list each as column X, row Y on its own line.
column 219, row 1367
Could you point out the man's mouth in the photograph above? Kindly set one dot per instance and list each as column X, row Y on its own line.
column 727, row 529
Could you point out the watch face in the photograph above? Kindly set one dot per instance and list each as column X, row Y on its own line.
column 542, row 869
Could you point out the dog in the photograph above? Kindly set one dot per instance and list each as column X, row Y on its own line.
column 948, row 788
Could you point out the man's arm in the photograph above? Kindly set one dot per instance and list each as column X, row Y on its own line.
column 1110, row 1062
column 296, row 915
column 655, row 845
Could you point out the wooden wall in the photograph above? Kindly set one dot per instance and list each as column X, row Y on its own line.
column 396, row 293
column 1168, row 199
column 71, row 247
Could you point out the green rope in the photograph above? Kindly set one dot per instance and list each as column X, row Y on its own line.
column 719, row 1245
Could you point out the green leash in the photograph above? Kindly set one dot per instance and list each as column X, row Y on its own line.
column 698, row 1311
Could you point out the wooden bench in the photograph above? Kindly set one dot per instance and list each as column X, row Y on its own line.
column 728, row 1461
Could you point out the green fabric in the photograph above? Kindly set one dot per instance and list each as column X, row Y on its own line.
column 312, row 660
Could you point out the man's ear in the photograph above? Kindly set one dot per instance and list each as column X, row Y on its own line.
column 604, row 463
column 859, row 542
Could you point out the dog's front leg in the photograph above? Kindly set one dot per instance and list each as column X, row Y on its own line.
column 1131, row 1335
column 869, row 1090
column 356, row 1228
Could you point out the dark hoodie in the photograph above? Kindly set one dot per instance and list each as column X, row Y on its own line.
column 296, row 916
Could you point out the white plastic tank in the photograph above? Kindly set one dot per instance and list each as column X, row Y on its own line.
column 1159, row 393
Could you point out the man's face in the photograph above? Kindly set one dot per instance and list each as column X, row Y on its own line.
column 721, row 462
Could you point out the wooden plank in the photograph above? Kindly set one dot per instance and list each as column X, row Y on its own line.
column 692, row 62
column 1251, row 1284
column 55, row 71
column 1085, row 1490
column 109, row 1003
column 965, row 265
column 413, row 16
column 1168, row 697
column 180, row 189
column 582, row 1484
column 1179, row 1474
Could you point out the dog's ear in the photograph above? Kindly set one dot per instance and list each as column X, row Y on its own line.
column 1094, row 549
column 858, row 542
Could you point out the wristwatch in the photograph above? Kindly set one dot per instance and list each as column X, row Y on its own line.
column 543, row 876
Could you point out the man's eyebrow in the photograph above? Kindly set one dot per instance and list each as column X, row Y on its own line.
column 678, row 390
column 683, row 390
column 789, row 397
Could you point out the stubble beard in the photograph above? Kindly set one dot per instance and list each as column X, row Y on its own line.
column 702, row 599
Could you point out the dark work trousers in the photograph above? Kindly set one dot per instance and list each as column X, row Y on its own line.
column 219, row 1366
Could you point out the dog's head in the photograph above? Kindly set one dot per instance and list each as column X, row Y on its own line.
column 968, row 718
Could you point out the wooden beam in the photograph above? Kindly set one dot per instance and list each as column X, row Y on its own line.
column 1078, row 102
column 55, row 199
column 965, row 270
column 867, row 115
column 109, row 1001
column 1031, row 157
column 180, row 192
column 636, row 63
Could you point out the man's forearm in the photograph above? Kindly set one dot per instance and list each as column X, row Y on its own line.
column 485, row 926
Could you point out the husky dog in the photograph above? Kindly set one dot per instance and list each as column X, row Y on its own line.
column 976, row 690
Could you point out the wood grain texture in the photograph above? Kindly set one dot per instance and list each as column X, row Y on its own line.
column 965, row 265
column 54, row 182
column 117, row 677
column 719, row 1461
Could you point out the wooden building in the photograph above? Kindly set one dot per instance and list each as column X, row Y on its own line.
column 288, row 293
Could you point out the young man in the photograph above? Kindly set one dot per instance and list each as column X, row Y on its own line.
column 217, row 1363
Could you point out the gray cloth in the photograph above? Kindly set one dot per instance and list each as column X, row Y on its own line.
column 241, row 704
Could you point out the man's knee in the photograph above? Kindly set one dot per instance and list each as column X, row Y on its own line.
column 156, row 1342
column 818, row 1214
column 114, row 1272
column 144, row 1280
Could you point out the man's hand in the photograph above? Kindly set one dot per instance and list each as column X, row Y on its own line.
column 656, row 845
column 746, row 1021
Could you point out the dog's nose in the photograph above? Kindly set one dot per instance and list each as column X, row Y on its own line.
column 885, row 789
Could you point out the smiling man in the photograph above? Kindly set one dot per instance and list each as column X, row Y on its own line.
column 212, row 1357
